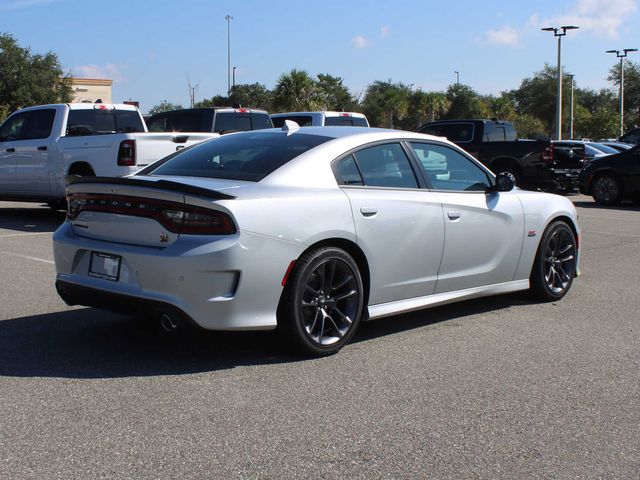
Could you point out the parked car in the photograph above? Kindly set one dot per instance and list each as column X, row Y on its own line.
column 310, row 230
column 613, row 178
column 210, row 119
column 40, row 146
column 533, row 163
column 584, row 151
column 631, row 136
column 321, row 119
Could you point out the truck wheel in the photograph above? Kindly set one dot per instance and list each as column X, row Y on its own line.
column 514, row 172
column 606, row 190
column 82, row 170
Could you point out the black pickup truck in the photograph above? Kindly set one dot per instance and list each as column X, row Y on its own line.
column 536, row 164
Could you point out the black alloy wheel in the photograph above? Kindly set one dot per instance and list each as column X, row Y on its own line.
column 514, row 173
column 323, row 301
column 555, row 264
column 606, row 190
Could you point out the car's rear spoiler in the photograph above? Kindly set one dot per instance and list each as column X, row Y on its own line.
column 162, row 184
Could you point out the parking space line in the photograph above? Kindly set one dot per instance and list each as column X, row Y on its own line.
column 24, row 234
column 44, row 260
column 620, row 234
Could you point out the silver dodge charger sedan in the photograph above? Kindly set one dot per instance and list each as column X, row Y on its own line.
column 309, row 230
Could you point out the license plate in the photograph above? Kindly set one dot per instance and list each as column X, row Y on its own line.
column 105, row 266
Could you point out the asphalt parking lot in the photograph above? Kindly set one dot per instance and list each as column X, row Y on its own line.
column 500, row 387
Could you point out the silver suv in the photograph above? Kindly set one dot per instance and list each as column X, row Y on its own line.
column 210, row 119
column 321, row 119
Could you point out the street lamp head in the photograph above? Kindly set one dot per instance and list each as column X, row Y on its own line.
column 569, row 27
column 548, row 29
column 612, row 51
column 627, row 50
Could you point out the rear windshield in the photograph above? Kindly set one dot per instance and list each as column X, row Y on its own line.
column 247, row 156
column 345, row 122
column 101, row 121
column 301, row 120
column 456, row 132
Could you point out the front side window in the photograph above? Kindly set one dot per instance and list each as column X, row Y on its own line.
column 248, row 156
column 13, row 128
column 386, row 165
column 447, row 169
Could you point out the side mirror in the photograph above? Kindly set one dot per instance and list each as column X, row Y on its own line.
column 505, row 182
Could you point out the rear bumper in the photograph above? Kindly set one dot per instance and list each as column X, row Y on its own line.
column 230, row 283
column 565, row 179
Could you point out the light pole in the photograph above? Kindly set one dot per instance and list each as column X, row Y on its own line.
column 228, row 18
column 621, row 55
column 457, row 76
column 570, row 75
column 559, row 32
column 234, row 77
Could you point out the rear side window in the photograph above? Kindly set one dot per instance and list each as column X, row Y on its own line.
column 247, row 156
column 348, row 173
column 455, row 132
column 301, row 120
column 494, row 132
column 102, row 121
column 260, row 121
column 386, row 166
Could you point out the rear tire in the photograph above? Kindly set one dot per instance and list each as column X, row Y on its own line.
column 606, row 190
column 555, row 264
column 322, row 302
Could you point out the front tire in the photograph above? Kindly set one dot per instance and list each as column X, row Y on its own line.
column 323, row 302
column 555, row 264
column 606, row 190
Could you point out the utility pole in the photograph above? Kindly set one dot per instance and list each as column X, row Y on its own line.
column 570, row 75
column 559, row 32
column 228, row 18
column 622, row 54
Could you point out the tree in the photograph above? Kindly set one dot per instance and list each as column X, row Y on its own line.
column 425, row 107
column 465, row 103
column 296, row 91
column 386, row 103
column 216, row 101
column 254, row 95
column 28, row 78
column 334, row 95
column 502, row 107
column 164, row 106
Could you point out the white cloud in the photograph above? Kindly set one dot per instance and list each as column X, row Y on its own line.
column 602, row 17
column 360, row 42
column 385, row 31
column 108, row 71
column 501, row 36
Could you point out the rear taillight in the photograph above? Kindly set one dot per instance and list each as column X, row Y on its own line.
column 175, row 217
column 193, row 221
column 127, row 153
column 548, row 154
column 243, row 110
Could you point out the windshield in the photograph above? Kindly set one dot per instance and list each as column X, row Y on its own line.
column 247, row 156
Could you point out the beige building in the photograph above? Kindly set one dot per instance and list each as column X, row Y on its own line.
column 91, row 89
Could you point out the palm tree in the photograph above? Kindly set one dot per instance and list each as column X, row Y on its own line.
column 296, row 91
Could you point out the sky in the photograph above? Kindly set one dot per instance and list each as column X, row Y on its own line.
column 153, row 49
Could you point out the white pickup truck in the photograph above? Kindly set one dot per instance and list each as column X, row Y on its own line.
column 40, row 146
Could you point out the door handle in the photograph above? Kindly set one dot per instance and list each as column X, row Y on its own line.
column 453, row 215
column 42, row 148
column 368, row 211
column 11, row 150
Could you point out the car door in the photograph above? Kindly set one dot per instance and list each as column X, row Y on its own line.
column 32, row 165
column 484, row 232
column 11, row 133
column 399, row 225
